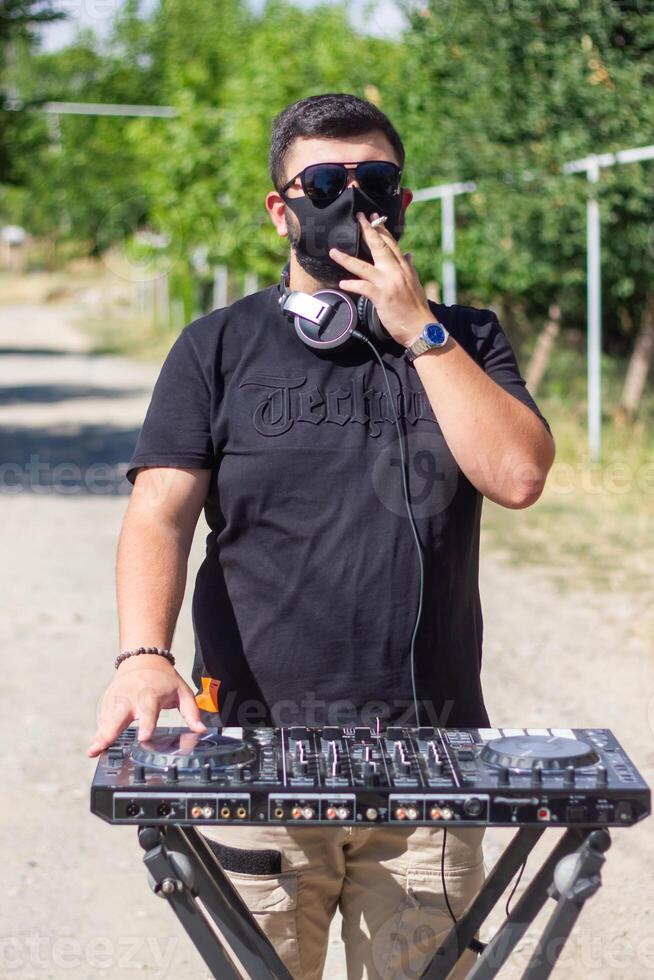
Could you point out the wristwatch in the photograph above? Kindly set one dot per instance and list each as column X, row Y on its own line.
column 433, row 336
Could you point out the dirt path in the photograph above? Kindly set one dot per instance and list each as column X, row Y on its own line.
column 75, row 901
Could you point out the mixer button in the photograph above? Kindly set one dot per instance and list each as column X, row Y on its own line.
column 487, row 734
column 394, row 734
column 624, row 812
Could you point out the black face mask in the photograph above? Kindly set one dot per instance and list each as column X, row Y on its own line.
column 334, row 225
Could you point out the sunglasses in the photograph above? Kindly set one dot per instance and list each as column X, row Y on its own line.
column 326, row 181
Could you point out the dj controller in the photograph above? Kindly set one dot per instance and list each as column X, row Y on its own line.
column 397, row 775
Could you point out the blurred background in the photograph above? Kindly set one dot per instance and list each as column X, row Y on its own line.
column 133, row 168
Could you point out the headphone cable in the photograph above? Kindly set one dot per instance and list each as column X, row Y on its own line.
column 407, row 500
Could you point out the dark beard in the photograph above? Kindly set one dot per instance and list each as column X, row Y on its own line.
column 323, row 269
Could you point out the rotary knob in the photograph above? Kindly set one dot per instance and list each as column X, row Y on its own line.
column 473, row 806
column 569, row 776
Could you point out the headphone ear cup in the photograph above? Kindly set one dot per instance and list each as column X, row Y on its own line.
column 338, row 329
column 369, row 320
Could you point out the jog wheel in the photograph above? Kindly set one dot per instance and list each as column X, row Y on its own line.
column 191, row 751
column 535, row 752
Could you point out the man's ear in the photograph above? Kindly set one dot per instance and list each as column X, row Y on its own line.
column 276, row 208
column 407, row 197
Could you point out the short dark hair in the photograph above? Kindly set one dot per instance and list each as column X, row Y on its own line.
column 326, row 116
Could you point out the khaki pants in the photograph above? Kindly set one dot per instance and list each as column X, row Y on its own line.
column 386, row 881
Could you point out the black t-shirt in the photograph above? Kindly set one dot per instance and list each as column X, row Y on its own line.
column 305, row 604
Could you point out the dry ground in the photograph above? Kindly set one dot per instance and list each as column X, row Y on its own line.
column 75, row 901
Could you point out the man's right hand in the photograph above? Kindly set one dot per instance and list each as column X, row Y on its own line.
column 142, row 687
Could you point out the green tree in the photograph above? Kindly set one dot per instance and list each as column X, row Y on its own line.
column 523, row 87
column 209, row 170
column 18, row 20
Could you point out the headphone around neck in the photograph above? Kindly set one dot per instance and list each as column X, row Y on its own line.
column 330, row 318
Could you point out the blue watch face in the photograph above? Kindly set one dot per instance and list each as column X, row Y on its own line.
column 435, row 333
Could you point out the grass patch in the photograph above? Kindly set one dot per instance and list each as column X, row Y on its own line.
column 593, row 527
column 129, row 336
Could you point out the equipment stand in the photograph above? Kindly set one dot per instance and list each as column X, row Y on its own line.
column 570, row 874
column 184, row 870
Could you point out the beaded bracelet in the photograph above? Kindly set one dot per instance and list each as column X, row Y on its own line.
column 135, row 653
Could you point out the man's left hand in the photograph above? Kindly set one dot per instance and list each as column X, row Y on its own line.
column 391, row 283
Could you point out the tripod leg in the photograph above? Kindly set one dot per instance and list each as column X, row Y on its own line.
column 226, row 908
column 576, row 878
column 182, row 902
column 527, row 908
column 459, row 937
column 186, row 861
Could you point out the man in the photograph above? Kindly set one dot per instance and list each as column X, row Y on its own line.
column 305, row 606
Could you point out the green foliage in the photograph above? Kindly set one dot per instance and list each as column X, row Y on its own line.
column 210, row 183
column 18, row 18
column 519, row 88
column 479, row 90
